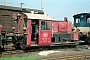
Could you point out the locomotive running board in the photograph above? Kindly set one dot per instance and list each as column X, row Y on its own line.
column 58, row 44
column 34, row 45
column 81, row 41
column 63, row 43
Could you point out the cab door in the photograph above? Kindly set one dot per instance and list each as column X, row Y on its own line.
column 29, row 29
column 45, row 33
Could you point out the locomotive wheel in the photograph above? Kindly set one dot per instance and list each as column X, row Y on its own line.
column 22, row 46
column 22, row 43
column 1, row 48
column 17, row 47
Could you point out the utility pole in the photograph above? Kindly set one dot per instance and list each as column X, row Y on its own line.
column 21, row 4
column 42, row 5
column 5, row 2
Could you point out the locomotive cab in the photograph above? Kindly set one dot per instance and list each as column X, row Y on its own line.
column 37, row 31
column 82, row 21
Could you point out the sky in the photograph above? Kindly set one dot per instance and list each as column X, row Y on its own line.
column 57, row 9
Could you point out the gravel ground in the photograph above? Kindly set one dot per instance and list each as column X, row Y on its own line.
column 53, row 53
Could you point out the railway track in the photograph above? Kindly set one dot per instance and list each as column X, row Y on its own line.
column 9, row 49
column 84, row 56
column 12, row 52
column 76, row 57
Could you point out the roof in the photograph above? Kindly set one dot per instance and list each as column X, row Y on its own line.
column 81, row 14
column 2, row 7
column 38, row 16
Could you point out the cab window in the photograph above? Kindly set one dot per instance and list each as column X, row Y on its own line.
column 88, row 19
column 77, row 20
column 45, row 25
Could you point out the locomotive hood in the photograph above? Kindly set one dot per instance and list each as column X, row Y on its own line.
column 38, row 16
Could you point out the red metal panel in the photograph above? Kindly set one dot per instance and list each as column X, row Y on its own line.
column 63, row 26
column 44, row 38
column 69, row 26
column 75, row 36
column 54, row 26
column 28, row 42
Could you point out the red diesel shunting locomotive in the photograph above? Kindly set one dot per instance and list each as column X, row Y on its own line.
column 41, row 30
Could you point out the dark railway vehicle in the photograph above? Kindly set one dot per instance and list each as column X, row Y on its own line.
column 82, row 22
column 7, row 16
